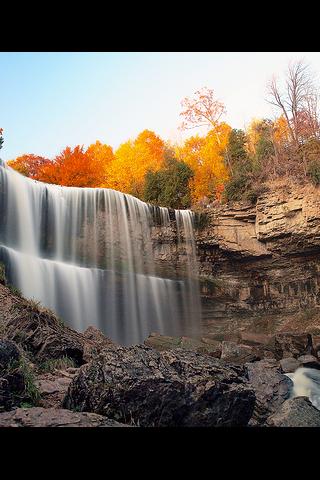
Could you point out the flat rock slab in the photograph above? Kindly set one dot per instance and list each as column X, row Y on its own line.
column 295, row 412
column 52, row 417
column 47, row 387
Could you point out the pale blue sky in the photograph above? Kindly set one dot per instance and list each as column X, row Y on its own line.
column 50, row 100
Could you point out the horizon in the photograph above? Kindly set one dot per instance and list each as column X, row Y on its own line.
column 51, row 100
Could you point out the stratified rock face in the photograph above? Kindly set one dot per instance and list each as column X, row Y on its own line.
column 271, row 388
column 261, row 264
column 53, row 417
column 173, row 388
column 295, row 412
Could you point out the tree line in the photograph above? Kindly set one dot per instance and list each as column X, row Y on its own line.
column 223, row 164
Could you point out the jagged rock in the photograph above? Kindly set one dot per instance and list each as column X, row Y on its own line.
column 309, row 361
column 37, row 330
column 94, row 342
column 292, row 344
column 235, row 353
column 12, row 382
column 295, row 412
column 173, row 388
column 9, row 353
column 205, row 345
column 289, row 364
column 316, row 345
column 52, row 417
column 271, row 388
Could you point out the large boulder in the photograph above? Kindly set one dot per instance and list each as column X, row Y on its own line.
column 289, row 364
column 309, row 361
column 271, row 388
column 52, row 417
column 232, row 352
column 292, row 345
column 177, row 387
column 295, row 412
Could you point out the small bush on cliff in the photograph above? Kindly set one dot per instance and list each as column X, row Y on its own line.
column 314, row 172
column 51, row 365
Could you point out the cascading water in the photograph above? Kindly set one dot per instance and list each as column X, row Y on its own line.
column 87, row 254
column 306, row 383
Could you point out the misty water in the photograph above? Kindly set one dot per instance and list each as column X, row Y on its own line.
column 87, row 254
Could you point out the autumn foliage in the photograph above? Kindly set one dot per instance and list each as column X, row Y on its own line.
column 222, row 163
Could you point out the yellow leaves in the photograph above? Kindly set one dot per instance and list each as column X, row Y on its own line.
column 281, row 131
column 205, row 155
column 132, row 161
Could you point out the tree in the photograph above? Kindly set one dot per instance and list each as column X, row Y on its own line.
column 201, row 110
column 1, row 138
column 169, row 186
column 205, row 156
column 74, row 168
column 100, row 157
column 238, row 154
column 30, row 165
column 298, row 101
column 132, row 161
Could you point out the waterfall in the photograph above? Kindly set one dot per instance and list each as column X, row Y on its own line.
column 87, row 254
column 306, row 383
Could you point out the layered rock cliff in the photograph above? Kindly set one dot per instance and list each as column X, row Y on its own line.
column 259, row 265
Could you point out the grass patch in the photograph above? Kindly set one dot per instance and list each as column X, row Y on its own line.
column 2, row 273
column 31, row 390
column 49, row 366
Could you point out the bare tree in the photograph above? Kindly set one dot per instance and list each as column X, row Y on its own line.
column 203, row 110
column 298, row 101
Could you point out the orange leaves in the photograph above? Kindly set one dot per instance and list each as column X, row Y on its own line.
column 30, row 165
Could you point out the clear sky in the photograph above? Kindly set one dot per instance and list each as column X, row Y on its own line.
column 51, row 100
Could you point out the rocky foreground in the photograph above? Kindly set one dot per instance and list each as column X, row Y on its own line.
column 52, row 376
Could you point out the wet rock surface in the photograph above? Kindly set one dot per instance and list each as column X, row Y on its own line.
column 53, row 417
column 172, row 388
column 295, row 412
column 289, row 365
column 271, row 388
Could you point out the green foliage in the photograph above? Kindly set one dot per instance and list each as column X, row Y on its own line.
column 14, row 290
column 236, row 187
column 264, row 148
column 314, row 172
column 31, row 390
column 2, row 273
column 49, row 366
column 169, row 186
column 236, row 150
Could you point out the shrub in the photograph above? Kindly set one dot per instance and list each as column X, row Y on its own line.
column 314, row 172
column 169, row 187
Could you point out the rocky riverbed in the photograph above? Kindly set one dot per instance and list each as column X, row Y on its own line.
column 53, row 376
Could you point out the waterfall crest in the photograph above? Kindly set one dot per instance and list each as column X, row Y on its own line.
column 87, row 254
